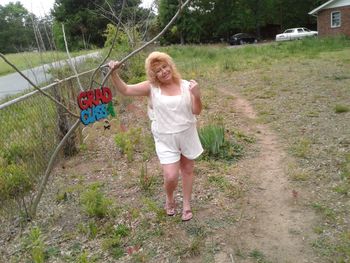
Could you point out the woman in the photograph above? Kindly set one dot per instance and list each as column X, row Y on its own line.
column 173, row 105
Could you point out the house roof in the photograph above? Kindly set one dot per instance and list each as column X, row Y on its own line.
column 327, row 4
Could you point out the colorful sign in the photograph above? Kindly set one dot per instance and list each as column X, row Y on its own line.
column 95, row 105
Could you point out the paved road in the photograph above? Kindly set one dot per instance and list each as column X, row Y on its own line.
column 13, row 83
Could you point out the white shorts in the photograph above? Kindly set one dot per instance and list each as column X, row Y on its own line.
column 169, row 147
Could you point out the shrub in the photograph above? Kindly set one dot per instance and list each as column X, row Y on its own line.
column 341, row 108
column 18, row 153
column 216, row 145
column 95, row 204
column 146, row 181
column 33, row 242
column 114, row 243
column 301, row 148
column 212, row 139
column 121, row 42
column 14, row 182
column 127, row 142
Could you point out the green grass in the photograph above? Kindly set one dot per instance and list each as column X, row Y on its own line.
column 217, row 145
column 258, row 256
column 301, row 148
column 35, row 245
column 221, row 58
column 339, row 108
column 26, row 60
column 94, row 202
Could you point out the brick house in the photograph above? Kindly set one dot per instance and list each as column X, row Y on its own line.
column 333, row 18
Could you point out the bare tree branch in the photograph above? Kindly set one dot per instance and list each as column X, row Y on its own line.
column 149, row 42
column 114, row 16
column 147, row 20
column 111, row 48
column 70, row 58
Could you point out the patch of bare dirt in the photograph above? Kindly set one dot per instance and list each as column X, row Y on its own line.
column 275, row 225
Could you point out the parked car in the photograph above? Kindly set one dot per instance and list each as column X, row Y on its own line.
column 296, row 33
column 242, row 38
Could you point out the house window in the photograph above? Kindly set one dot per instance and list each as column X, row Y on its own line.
column 335, row 19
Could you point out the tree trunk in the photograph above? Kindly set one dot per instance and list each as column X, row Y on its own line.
column 64, row 124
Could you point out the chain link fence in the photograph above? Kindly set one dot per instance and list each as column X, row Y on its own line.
column 31, row 127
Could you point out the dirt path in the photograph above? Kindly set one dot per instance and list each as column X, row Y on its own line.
column 275, row 225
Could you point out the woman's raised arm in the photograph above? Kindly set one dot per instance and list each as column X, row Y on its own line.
column 139, row 89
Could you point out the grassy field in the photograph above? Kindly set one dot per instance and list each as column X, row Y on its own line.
column 105, row 204
column 26, row 60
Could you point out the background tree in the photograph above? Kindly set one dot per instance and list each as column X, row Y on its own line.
column 255, row 15
column 294, row 13
column 83, row 26
column 16, row 30
column 134, row 21
column 166, row 10
column 86, row 20
column 202, row 21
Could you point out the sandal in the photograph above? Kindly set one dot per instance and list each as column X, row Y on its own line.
column 170, row 209
column 187, row 215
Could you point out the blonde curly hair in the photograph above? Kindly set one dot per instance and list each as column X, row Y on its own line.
column 155, row 59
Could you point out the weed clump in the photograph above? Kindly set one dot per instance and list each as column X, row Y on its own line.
column 114, row 243
column 94, row 203
column 35, row 245
column 127, row 142
column 341, row 108
column 147, row 182
column 216, row 145
column 133, row 141
column 15, row 183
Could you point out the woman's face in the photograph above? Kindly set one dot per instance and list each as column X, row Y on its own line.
column 163, row 73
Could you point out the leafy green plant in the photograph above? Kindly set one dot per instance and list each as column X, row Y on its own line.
column 189, row 249
column 34, row 243
column 89, row 230
column 339, row 108
column 94, row 203
column 14, row 182
column 153, row 207
column 16, row 153
column 148, row 148
column 83, row 258
column 146, row 181
column 127, row 142
column 258, row 256
column 233, row 191
column 121, row 44
column 344, row 185
column 216, row 145
column 326, row 211
column 219, row 181
column 114, row 243
column 52, row 251
column 301, row 148
column 122, row 230
column 212, row 138
column 345, row 169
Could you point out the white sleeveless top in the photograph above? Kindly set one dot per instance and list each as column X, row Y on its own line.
column 171, row 114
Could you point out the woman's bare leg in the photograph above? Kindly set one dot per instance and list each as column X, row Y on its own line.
column 171, row 177
column 187, row 167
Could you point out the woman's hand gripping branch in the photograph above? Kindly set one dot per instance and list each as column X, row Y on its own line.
column 139, row 89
